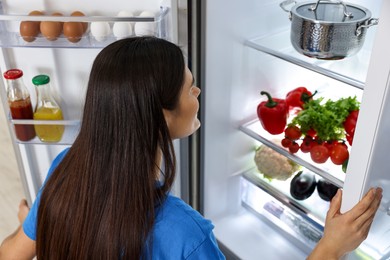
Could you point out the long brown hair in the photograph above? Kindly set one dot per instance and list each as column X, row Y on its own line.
column 100, row 201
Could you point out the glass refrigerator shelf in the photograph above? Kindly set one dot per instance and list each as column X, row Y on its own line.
column 329, row 171
column 351, row 70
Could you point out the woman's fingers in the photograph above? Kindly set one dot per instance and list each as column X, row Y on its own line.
column 365, row 219
column 335, row 204
column 363, row 205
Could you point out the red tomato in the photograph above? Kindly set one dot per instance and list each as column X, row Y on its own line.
column 306, row 144
column 292, row 132
column 319, row 153
column 286, row 142
column 339, row 154
column 294, row 147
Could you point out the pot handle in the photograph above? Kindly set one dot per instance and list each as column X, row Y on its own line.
column 369, row 23
column 346, row 13
column 287, row 3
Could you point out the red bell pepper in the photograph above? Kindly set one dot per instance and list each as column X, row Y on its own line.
column 299, row 96
column 350, row 125
column 273, row 114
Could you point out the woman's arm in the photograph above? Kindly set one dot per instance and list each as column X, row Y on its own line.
column 18, row 246
column 345, row 232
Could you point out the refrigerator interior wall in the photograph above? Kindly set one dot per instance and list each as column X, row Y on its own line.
column 235, row 73
column 68, row 66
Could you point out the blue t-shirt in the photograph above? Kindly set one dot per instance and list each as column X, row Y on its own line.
column 179, row 232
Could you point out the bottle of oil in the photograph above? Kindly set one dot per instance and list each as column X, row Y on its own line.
column 19, row 103
column 47, row 109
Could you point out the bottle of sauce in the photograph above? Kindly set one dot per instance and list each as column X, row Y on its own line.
column 47, row 109
column 19, row 103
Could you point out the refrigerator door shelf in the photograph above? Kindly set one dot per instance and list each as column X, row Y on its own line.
column 158, row 26
column 71, row 130
column 328, row 170
column 351, row 70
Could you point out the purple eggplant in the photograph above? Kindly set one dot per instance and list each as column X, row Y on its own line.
column 302, row 185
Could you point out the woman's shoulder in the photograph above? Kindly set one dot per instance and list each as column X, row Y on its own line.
column 180, row 232
column 175, row 211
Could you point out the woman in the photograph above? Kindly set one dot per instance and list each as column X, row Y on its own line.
column 107, row 198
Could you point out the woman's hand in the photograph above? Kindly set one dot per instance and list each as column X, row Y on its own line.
column 345, row 232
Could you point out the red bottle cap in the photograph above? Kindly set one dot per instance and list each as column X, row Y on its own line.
column 13, row 74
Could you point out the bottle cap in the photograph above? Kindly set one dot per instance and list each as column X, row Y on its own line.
column 41, row 80
column 13, row 74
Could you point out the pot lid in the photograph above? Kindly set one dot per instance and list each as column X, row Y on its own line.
column 332, row 12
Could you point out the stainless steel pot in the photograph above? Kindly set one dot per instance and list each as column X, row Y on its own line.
column 326, row 29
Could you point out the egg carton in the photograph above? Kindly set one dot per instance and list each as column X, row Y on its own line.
column 78, row 30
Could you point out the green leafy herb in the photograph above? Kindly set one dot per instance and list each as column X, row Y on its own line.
column 325, row 118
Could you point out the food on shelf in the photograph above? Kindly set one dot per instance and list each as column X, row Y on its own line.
column 29, row 30
column 319, row 153
column 339, row 153
column 123, row 29
column 84, row 24
column 51, row 29
column 73, row 31
column 145, row 28
column 47, row 109
column 320, row 127
column 302, row 185
column 297, row 97
column 350, row 125
column 273, row 164
column 272, row 114
column 100, row 30
column 326, row 190
column 325, row 118
column 19, row 103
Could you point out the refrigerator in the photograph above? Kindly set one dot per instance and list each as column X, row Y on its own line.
column 245, row 48
column 235, row 49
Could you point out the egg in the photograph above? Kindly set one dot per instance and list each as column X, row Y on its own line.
column 85, row 25
column 145, row 28
column 123, row 29
column 29, row 30
column 100, row 30
column 73, row 31
column 51, row 29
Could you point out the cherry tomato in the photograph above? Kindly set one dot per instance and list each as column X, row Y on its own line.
column 329, row 144
column 319, row 153
column 294, row 147
column 286, row 142
column 339, row 154
column 292, row 132
column 306, row 144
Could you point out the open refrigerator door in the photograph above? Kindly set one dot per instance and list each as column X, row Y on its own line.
column 251, row 51
column 64, row 53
